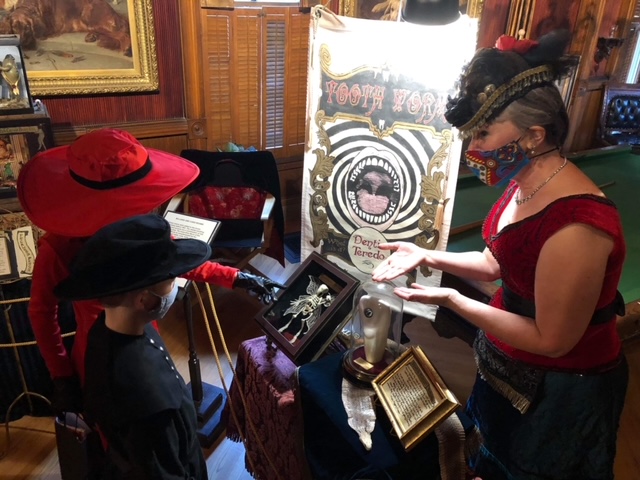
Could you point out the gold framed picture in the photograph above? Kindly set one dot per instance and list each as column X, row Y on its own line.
column 414, row 396
column 97, row 47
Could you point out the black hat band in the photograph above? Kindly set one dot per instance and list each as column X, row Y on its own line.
column 116, row 182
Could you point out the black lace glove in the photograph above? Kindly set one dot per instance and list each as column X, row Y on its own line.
column 67, row 395
column 262, row 287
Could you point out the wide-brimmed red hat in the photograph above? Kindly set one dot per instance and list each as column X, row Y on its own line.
column 103, row 176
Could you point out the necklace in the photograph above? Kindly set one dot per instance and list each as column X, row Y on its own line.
column 520, row 201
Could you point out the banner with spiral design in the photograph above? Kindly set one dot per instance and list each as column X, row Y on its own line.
column 381, row 161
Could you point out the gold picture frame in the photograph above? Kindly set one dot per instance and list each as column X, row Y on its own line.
column 414, row 396
column 87, row 61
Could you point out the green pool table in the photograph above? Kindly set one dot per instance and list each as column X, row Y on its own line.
column 615, row 169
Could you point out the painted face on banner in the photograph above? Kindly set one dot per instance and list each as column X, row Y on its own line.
column 373, row 188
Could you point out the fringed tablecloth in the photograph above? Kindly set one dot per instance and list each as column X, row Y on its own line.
column 268, row 380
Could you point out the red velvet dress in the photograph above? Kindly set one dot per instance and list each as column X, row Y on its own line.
column 541, row 417
column 52, row 266
column 517, row 249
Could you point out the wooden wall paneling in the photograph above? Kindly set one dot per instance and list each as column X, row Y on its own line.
column 623, row 22
column 290, row 171
column 192, row 54
column 168, row 143
column 552, row 15
column 173, row 129
column 610, row 25
column 148, row 106
column 585, row 116
column 493, row 22
column 585, row 37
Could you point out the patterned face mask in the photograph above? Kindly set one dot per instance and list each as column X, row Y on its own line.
column 497, row 167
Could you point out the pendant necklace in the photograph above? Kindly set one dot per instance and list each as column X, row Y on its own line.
column 520, row 201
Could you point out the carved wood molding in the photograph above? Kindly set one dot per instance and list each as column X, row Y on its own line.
column 520, row 18
column 64, row 134
column 197, row 129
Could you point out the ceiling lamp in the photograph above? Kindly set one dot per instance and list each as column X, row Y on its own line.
column 430, row 12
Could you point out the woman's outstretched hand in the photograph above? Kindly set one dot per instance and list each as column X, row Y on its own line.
column 405, row 258
column 428, row 295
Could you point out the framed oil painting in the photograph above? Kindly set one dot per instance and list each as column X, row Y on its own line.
column 308, row 314
column 97, row 47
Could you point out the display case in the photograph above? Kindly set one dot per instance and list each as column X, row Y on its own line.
column 14, row 87
column 22, row 136
column 307, row 315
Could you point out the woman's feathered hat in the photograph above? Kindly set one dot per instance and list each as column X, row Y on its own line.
column 497, row 76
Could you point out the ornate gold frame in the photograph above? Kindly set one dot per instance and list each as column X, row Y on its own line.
column 349, row 8
column 420, row 386
column 143, row 77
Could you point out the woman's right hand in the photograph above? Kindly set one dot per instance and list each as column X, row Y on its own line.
column 406, row 257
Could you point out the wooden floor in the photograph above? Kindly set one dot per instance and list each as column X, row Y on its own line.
column 32, row 454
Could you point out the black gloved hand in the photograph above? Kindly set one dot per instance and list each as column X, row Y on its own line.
column 67, row 395
column 261, row 286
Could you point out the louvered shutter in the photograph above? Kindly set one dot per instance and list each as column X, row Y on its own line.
column 255, row 75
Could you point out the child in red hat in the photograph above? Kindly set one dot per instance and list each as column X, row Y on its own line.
column 71, row 192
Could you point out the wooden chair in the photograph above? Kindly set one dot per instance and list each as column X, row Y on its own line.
column 242, row 190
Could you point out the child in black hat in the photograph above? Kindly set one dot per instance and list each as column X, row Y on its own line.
column 133, row 392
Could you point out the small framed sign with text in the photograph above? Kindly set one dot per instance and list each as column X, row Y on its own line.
column 184, row 225
column 414, row 396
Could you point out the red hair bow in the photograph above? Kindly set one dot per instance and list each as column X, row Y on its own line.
column 508, row 43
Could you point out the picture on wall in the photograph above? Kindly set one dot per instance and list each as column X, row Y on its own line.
column 17, row 146
column 76, row 47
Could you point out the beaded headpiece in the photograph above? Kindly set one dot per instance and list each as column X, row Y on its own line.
column 497, row 76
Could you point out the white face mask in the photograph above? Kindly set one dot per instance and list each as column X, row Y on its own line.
column 165, row 302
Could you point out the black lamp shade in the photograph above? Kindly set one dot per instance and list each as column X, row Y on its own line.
column 430, row 12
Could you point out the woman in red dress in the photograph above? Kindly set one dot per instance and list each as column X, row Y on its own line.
column 551, row 378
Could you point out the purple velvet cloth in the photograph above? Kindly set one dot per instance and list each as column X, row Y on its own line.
column 267, row 378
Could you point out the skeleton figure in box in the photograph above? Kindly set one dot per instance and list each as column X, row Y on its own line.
column 308, row 307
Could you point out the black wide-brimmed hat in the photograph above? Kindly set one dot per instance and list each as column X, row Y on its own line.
column 133, row 253
column 496, row 77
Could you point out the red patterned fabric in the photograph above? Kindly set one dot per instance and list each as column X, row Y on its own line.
column 267, row 378
column 227, row 203
column 517, row 248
